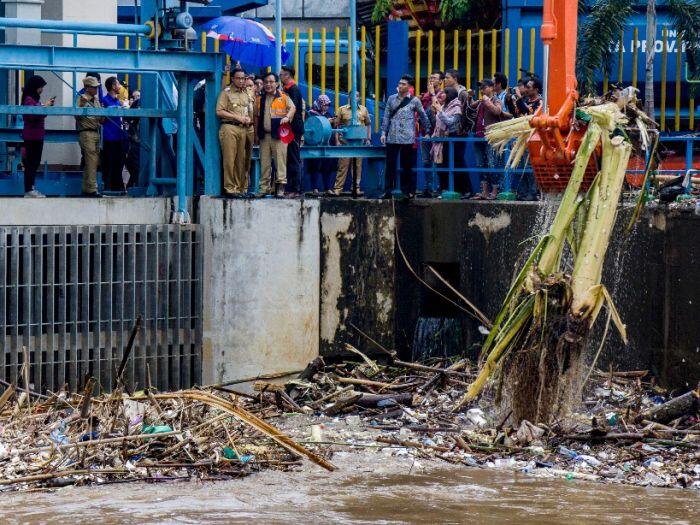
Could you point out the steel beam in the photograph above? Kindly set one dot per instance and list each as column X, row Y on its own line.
column 76, row 27
column 85, row 112
column 58, row 136
column 108, row 60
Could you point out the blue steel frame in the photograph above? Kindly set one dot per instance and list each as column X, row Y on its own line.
column 187, row 67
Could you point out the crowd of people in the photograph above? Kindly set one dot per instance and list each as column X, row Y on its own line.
column 109, row 144
column 457, row 112
column 269, row 111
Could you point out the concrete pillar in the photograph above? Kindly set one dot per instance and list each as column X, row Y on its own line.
column 60, row 85
column 28, row 9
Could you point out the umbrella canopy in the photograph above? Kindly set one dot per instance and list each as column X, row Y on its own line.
column 246, row 41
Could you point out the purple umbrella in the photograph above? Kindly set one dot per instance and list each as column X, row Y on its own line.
column 246, row 41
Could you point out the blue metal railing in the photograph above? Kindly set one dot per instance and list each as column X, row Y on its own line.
column 691, row 145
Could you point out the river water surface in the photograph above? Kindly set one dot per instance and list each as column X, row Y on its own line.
column 364, row 490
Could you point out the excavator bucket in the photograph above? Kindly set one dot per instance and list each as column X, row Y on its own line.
column 553, row 167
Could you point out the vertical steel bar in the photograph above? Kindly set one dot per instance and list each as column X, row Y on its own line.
column 198, row 306
column 101, row 370
column 419, row 34
column 142, row 299
column 621, row 57
column 73, row 379
column 677, row 118
column 184, row 120
column 468, row 72
column 480, row 75
column 505, row 54
column 118, row 293
column 635, row 55
column 296, row 49
column 532, row 49
column 430, row 52
column 278, row 35
column 336, row 67
column 324, row 37
column 494, row 51
column 664, row 69
column 138, row 370
column 310, row 67
column 442, row 51
column 37, row 347
column 187, row 323
column 86, row 345
column 519, row 52
column 455, row 49
column 50, row 343
column 26, row 287
column 4, row 291
column 14, row 308
column 62, row 307
column 154, row 270
column 175, row 242
column 109, row 289
column 363, row 65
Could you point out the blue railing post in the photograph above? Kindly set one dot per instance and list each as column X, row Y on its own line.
column 450, row 193
column 507, row 194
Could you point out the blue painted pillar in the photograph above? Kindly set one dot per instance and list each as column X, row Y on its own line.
column 397, row 55
column 183, row 123
column 212, row 150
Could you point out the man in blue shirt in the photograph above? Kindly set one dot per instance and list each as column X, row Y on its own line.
column 113, row 152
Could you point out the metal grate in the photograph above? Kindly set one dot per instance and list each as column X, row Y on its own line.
column 71, row 294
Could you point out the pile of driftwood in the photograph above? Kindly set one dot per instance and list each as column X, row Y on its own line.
column 628, row 430
column 66, row 439
column 377, row 390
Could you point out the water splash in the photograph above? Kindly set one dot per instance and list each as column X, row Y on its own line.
column 437, row 337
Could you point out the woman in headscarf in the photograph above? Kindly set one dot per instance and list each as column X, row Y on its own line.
column 447, row 122
column 33, row 133
column 321, row 171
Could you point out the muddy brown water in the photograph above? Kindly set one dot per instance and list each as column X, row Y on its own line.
column 364, row 490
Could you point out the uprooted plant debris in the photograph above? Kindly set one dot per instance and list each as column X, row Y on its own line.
column 628, row 430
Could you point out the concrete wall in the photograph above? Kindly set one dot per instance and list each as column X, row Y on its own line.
column 652, row 275
column 261, row 286
column 70, row 211
column 357, row 273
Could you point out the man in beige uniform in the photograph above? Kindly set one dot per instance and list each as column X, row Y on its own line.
column 89, row 135
column 235, row 109
column 344, row 118
column 273, row 109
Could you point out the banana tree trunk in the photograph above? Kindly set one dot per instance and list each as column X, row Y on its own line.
column 650, row 51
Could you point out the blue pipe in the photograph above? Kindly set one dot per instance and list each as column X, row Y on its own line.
column 182, row 124
column 76, row 27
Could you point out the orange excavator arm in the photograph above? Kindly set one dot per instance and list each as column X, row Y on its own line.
column 553, row 147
